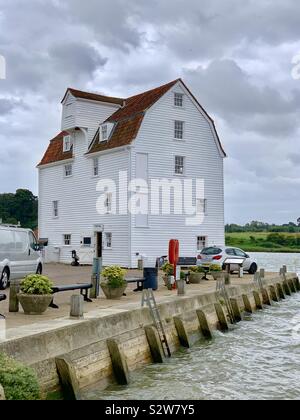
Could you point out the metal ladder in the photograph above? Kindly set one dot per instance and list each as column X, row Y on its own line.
column 221, row 290
column 149, row 299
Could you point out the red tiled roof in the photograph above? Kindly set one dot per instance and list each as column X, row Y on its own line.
column 55, row 153
column 129, row 118
column 93, row 97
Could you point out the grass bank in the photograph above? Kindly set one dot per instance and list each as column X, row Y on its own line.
column 265, row 241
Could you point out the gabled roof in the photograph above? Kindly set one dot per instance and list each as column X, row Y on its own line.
column 127, row 121
column 93, row 97
column 55, row 152
column 129, row 118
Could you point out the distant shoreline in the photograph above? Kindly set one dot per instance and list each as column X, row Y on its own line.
column 265, row 242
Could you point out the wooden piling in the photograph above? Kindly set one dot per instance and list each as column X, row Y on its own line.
column 13, row 296
column 292, row 286
column 68, row 379
column 258, row 300
column 286, row 288
column 204, row 325
column 236, row 310
column 297, row 283
column 273, row 294
column 181, row 332
column 154, row 344
column 118, row 361
column 280, row 291
column 266, row 297
column 247, row 304
column 221, row 317
column 76, row 306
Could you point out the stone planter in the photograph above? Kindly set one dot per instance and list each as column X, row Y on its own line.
column 111, row 293
column 34, row 304
column 195, row 278
column 216, row 275
column 168, row 282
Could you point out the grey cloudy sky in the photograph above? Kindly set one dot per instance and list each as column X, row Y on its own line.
column 235, row 56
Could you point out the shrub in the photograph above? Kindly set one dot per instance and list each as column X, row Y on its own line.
column 19, row 382
column 215, row 268
column 197, row 269
column 35, row 284
column 182, row 275
column 168, row 269
column 115, row 277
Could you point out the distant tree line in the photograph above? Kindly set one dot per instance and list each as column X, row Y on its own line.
column 19, row 207
column 264, row 227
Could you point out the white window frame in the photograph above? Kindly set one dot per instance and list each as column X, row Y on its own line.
column 108, row 240
column 55, row 211
column 202, row 239
column 108, row 203
column 203, row 203
column 67, row 146
column 179, row 130
column 178, row 99
column 104, row 132
column 177, row 165
column 67, row 239
column 96, row 166
column 68, row 170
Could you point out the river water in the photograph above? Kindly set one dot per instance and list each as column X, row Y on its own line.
column 258, row 359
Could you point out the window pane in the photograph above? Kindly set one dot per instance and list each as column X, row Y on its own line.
column 87, row 241
column 108, row 240
column 178, row 133
column 68, row 170
column 104, row 132
column 67, row 239
column 179, row 165
column 240, row 253
column 55, row 208
column 96, row 167
column 7, row 242
column 21, row 239
column 33, row 242
column 178, row 99
column 201, row 242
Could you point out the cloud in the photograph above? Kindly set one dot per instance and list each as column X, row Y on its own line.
column 235, row 57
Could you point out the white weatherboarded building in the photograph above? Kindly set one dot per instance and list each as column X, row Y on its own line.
column 160, row 134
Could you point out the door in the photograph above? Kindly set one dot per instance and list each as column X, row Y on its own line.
column 99, row 245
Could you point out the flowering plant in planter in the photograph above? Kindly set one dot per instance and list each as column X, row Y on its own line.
column 168, row 269
column 36, row 294
column 114, row 284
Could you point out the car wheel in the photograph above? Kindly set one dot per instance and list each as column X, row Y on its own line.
column 4, row 280
column 39, row 270
column 253, row 268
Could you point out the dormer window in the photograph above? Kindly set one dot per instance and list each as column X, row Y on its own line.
column 67, row 143
column 105, row 131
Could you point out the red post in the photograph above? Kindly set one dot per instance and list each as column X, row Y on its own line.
column 174, row 255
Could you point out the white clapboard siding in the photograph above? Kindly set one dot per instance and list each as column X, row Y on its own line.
column 86, row 114
column 202, row 160
column 77, row 198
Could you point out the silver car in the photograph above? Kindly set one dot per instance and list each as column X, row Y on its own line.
column 19, row 254
column 218, row 255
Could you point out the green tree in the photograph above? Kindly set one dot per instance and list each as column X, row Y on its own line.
column 19, row 207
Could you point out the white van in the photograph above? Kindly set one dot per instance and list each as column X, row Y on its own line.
column 19, row 254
